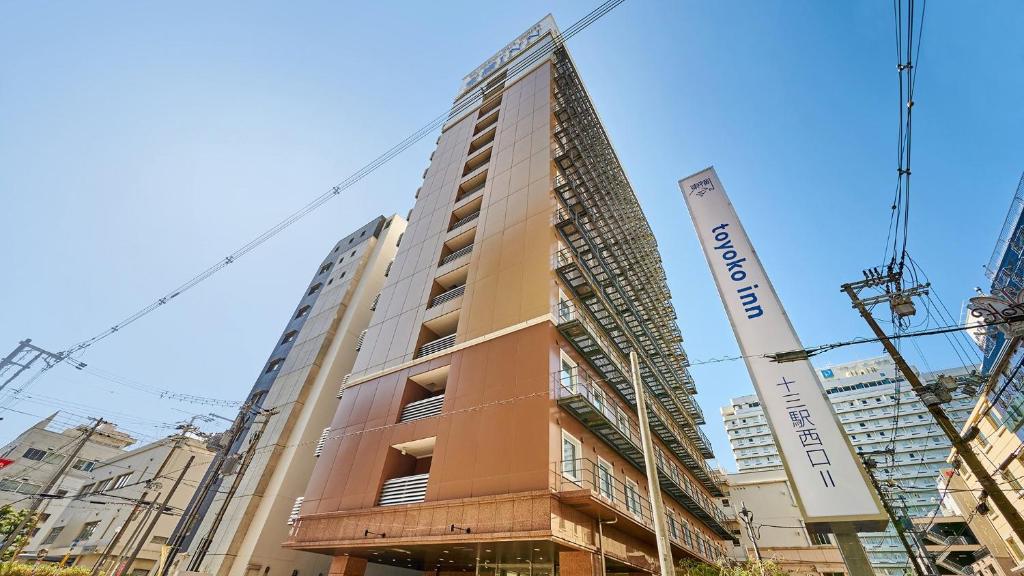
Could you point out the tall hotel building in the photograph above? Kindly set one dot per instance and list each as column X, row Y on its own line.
column 870, row 397
column 235, row 525
column 489, row 424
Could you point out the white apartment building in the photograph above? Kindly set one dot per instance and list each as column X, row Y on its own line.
column 37, row 454
column 867, row 395
column 102, row 515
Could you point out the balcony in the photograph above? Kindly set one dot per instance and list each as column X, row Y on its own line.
column 605, row 226
column 447, row 296
column 581, row 484
column 435, row 346
column 422, row 409
column 588, row 403
column 404, row 490
column 463, row 221
column 455, row 255
column 591, row 291
column 581, row 331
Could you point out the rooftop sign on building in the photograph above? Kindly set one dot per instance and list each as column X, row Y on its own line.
column 512, row 50
column 830, row 485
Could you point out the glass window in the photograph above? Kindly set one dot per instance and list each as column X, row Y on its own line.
column 568, row 374
column 83, row 465
column 87, row 531
column 52, row 536
column 633, row 497
column 571, row 450
column 605, row 479
column 34, row 454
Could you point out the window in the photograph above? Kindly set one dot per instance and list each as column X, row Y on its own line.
column 314, row 289
column 399, row 241
column 101, row 486
column 274, row 365
column 819, row 538
column 1011, row 543
column 340, row 276
column 159, row 540
column 289, row 337
column 84, row 465
column 87, row 531
column 567, row 374
column 52, row 536
column 605, row 479
column 54, row 458
column 302, row 311
column 571, row 450
column 673, row 526
column 353, row 253
column 633, row 498
column 121, row 480
column 34, row 454
column 324, row 268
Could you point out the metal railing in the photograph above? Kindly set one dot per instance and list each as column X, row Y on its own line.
column 422, row 408
column 456, row 255
column 567, row 311
column 463, row 221
column 627, row 498
column 404, row 490
column 436, row 346
column 448, row 295
column 587, row 388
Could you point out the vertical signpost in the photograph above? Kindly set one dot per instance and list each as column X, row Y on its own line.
column 831, row 488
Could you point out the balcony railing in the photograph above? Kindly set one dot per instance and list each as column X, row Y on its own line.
column 435, row 346
column 628, row 500
column 448, row 295
column 456, row 255
column 404, row 490
column 462, row 222
column 621, row 432
column 593, row 344
column 422, row 408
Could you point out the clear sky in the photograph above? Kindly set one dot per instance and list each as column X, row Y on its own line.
column 140, row 143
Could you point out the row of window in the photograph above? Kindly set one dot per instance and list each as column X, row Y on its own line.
column 108, row 484
column 37, row 455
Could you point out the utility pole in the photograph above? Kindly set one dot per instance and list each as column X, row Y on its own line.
column 747, row 517
column 159, row 512
column 897, row 521
column 25, row 355
column 901, row 302
column 55, row 479
column 112, row 545
column 650, row 464
column 204, row 544
column 191, row 515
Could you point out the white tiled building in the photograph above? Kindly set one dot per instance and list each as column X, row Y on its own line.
column 864, row 396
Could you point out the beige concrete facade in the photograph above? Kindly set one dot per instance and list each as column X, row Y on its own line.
column 38, row 453
column 100, row 509
column 302, row 400
column 477, row 430
column 997, row 448
column 779, row 526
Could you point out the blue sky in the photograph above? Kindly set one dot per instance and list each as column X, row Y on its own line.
column 141, row 143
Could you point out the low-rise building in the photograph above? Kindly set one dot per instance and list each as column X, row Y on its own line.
column 129, row 501
column 37, row 453
column 778, row 526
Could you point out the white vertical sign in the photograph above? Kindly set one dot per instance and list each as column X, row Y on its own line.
column 829, row 483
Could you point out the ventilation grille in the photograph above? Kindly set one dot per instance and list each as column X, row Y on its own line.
column 387, row 270
column 321, row 442
column 376, row 300
column 359, row 341
column 422, row 408
column 296, row 509
column 344, row 382
column 404, row 490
